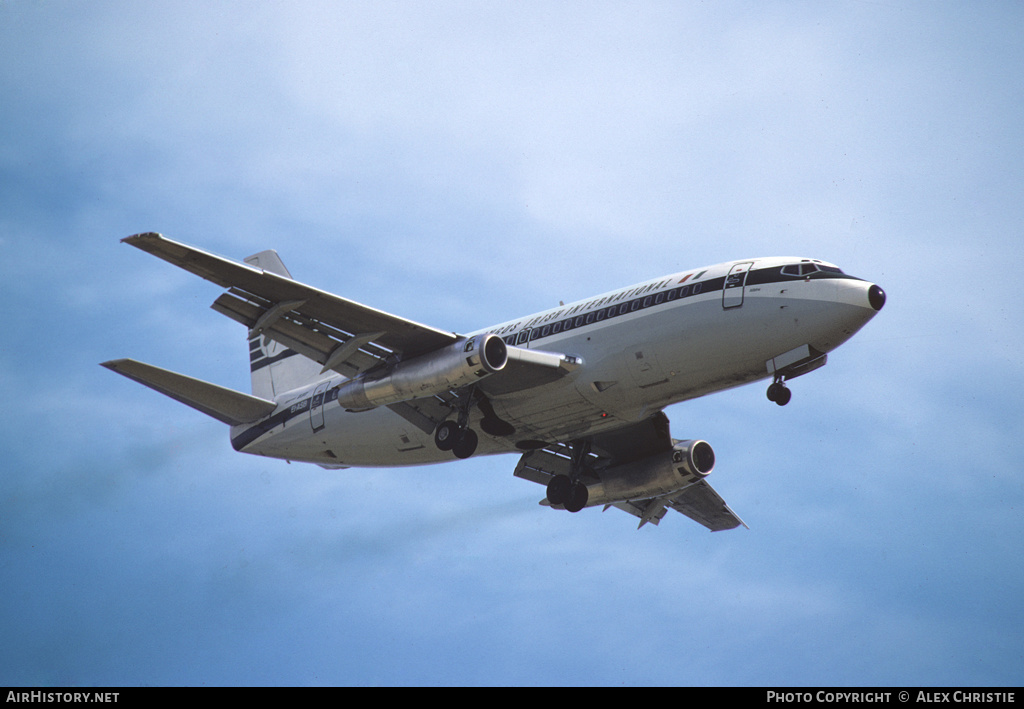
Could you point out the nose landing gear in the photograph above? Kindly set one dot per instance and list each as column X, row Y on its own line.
column 790, row 365
column 779, row 393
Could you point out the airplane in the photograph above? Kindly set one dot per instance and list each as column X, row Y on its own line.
column 577, row 391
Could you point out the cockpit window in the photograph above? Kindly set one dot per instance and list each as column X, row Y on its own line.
column 806, row 268
column 800, row 269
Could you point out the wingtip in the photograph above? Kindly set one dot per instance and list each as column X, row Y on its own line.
column 144, row 236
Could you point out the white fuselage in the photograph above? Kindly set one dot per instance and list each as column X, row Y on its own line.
column 643, row 348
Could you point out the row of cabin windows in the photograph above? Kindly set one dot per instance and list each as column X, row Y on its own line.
column 611, row 311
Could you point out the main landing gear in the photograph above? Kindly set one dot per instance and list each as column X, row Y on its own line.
column 460, row 440
column 779, row 393
column 457, row 437
column 573, row 495
column 571, row 492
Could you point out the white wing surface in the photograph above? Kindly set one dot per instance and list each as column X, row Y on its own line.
column 338, row 333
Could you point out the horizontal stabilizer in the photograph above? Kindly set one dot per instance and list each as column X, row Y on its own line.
column 226, row 405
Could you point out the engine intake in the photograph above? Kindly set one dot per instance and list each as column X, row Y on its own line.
column 696, row 457
column 463, row 363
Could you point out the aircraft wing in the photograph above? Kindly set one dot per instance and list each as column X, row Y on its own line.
column 339, row 333
column 699, row 501
column 702, row 504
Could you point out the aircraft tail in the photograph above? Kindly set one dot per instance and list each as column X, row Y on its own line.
column 276, row 368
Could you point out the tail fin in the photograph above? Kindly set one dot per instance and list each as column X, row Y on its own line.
column 276, row 368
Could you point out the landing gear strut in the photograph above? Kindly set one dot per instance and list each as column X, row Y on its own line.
column 458, row 437
column 779, row 393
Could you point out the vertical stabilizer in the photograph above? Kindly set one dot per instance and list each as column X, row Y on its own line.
column 276, row 368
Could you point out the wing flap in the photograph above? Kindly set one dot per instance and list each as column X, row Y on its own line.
column 226, row 405
column 264, row 290
column 540, row 466
column 646, row 510
column 318, row 342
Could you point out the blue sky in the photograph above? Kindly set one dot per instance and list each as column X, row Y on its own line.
column 462, row 164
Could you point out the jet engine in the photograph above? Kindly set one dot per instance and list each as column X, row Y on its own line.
column 687, row 463
column 463, row 363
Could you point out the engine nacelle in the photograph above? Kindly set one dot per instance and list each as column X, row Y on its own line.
column 687, row 463
column 465, row 362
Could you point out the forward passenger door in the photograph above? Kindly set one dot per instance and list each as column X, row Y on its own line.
column 735, row 282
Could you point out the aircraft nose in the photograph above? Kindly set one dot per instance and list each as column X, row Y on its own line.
column 876, row 297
